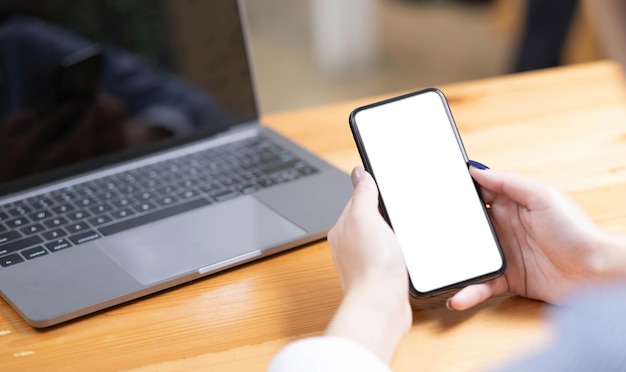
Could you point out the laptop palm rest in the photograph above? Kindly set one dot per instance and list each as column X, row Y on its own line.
column 210, row 236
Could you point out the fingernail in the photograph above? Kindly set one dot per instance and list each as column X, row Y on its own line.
column 449, row 303
column 357, row 175
column 477, row 164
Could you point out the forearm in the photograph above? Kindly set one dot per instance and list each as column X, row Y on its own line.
column 372, row 318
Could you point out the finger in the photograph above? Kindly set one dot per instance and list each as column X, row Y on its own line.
column 473, row 295
column 520, row 189
column 469, row 297
column 365, row 190
column 487, row 195
column 357, row 175
column 477, row 164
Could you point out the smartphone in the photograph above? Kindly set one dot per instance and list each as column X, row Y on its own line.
column 79, row 75
column 77, row 83
column 412, row 147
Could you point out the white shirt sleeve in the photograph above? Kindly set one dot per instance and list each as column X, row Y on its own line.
column 326, row 354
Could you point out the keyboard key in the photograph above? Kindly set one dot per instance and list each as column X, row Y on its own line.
column 17, row 222
column 76, row 227
column 128, row 178
column 107, row 195
column 10, row 260
column 247, row 189
column 84, row 237
column 167, row 190
column 146, row 195
column 100, row 208
column 100, row 220
column 40, row 202
column 54, row 234
column 109, row 185
column 150, row 183
column 85, row 202
column 63, row 208
column 87, row 190
column 224, row 195
column 188, row 194
column 32, row 229
column 58, row 245
column 9, row 236
column 78, row 215
column 228, row 181
column 41, row 215
column 123, row 202
column 20, row 244
column 145, row 207
column 265, row 182
column 19, row 210
column 286, row 176
column 34, row 253
column 187, row 184
column 122, row 213
column 167, row 200
column 3, row 216
column 279, row 165
column 55, row 222
column 64, row 196
column 306, row 170
column 129, row 189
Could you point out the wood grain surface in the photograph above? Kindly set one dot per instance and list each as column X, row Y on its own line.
column 565, row 126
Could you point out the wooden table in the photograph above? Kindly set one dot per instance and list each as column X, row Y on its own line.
column 565, row 126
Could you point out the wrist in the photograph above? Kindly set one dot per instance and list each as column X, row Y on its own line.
column 609, row 261
column 373, row 317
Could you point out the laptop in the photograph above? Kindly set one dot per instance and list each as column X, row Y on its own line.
column 132, row 158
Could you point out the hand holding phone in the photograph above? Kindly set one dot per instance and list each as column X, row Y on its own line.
column 412, row 148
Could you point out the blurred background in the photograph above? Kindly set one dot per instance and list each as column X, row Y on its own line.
column 312, row 52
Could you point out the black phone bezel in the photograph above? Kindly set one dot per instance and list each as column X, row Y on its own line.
column 367, row 165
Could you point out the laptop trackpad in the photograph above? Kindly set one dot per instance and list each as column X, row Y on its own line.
column 197, row 239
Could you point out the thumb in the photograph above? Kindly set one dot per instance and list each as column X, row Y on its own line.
column 365, row 189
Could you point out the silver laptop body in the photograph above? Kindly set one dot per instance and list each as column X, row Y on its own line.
column 86, row 227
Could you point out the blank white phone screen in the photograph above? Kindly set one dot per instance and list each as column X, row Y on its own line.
column 428, row 192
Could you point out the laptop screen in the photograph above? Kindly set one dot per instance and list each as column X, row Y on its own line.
column 87, row 83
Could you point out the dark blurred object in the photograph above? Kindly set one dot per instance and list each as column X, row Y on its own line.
column 39, row 140
column 38, row 8
column 545, row 29
column 79, row 75
column 607, row 21
column 471, row 2
column 475, row 1
column 66, row 98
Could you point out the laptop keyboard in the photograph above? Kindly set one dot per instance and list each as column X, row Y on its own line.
column 47, row 223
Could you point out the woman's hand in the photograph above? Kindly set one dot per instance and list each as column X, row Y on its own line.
column 364, row 247
column 551, row 246
column 375, row 311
